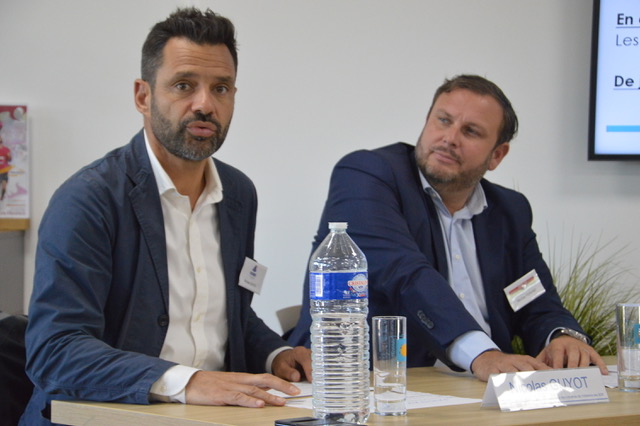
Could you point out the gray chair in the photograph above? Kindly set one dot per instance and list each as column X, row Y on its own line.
column 288, row 318
column 15, row 386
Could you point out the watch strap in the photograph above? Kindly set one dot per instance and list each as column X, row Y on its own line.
column 564, row 331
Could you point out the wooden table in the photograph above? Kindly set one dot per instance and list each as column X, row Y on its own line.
column 623, row 408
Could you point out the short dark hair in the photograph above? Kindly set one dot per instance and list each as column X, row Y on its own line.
column 482, row 86
column 199, row 27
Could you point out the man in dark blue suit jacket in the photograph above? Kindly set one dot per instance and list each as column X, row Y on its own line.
column 422, row 215
column 100, row 309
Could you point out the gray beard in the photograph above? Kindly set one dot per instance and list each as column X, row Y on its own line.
column 452, row 182
column 180, row 143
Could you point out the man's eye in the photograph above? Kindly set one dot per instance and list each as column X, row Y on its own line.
column 182, row 86
column 222, row 89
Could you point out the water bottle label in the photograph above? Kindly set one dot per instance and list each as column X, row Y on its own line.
column 338, row 285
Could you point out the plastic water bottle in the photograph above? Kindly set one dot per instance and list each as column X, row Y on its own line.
column 338, row 290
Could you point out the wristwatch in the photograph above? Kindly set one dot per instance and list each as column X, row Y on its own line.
column 572, row 333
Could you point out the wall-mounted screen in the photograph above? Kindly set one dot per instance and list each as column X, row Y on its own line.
column 614, row 125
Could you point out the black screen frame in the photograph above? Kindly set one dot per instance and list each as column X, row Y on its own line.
column 593, row 155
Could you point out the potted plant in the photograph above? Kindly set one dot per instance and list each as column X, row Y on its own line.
column 590, row 283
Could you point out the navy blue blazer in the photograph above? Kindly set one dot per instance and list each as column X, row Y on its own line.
column 395, row 223
column 99, row 309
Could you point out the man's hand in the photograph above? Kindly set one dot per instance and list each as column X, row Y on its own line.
column 243, row 389
column 565, row 351
column 293, row 365
column 495, row 362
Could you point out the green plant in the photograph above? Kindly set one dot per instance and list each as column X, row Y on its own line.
column 589, row 283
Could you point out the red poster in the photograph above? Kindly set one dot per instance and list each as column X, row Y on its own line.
column 14, row 162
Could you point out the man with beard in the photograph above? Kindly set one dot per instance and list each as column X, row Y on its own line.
column 442, row 243
column 136, row 295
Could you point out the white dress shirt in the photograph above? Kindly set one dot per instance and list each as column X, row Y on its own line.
column 197, row 333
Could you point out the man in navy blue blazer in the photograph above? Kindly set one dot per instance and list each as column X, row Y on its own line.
column 442, row 242
column 136, row 294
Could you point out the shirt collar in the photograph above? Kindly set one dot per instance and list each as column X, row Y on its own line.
column 212, row 192
column 474, row 205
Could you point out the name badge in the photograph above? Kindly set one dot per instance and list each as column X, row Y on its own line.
column 524, row 290
column 252, row 275
column 528, row 390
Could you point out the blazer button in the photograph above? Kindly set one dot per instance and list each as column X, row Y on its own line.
column 425, row 320
column 163, row 320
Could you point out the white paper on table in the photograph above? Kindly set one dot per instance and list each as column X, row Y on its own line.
column 414, row 400
column 611, row 379
column 305, row 390
column 418, row 399
column 424, row 400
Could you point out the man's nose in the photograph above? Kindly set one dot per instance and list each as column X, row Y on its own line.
column 204, row 102
column 451, row 135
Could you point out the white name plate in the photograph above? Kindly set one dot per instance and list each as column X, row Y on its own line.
column 528, row 390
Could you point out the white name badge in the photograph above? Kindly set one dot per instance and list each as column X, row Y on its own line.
column 524, row 290
column 252, row 275
column 528, row 390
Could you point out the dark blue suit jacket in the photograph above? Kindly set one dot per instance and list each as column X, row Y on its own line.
column 99, row 309
column 395, row 223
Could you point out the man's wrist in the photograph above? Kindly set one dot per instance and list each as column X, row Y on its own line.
column 466, row 348
column 478, row 356
column 564, row 331
column 272, row 356
column 171, row 386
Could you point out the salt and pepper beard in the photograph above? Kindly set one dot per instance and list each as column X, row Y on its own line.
column 180, row 143
column 454, row 182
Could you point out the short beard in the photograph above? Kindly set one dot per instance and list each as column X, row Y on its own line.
column 180, row 143
column 451, row 181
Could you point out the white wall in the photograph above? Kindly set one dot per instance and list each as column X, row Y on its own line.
column 320, row 79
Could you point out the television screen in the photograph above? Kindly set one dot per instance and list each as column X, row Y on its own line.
column 614, row 124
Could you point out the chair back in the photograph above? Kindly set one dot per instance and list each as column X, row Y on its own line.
column 15, row 386
column 288, row 318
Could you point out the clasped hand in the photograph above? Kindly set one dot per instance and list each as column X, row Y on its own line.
column 250, row 390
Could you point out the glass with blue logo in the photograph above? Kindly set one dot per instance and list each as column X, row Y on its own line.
column 389, row 342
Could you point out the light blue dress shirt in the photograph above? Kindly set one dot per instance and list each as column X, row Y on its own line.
column 464, row 273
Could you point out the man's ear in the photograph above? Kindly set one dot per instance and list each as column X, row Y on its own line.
column 142, row 96
column 499, row 152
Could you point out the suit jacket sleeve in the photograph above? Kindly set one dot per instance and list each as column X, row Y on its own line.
column 89, row 335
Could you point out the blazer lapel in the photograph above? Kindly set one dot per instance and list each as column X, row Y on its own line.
column 145, row 200
column 229, row 244
column 435, row 241
column 490, row 251
column 229, row 210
